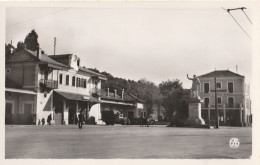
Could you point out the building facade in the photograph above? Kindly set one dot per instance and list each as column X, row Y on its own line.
column 233, row 98
column 38, row 85
column 124, row 105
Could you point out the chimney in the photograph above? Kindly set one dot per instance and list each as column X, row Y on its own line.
column 115, row 93
column 38, row 51
column 123, row 91
column 107, row 92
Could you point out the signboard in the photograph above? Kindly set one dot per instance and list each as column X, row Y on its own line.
column 140, row 106
column 86, row 97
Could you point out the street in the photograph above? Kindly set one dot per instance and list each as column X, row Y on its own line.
column 130, row 142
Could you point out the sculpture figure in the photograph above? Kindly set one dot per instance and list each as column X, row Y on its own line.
column 195, row 86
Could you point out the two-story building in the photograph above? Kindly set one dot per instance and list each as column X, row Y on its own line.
column 233, row 98
column 38, row 85
column 78, row 90
column 30, row 79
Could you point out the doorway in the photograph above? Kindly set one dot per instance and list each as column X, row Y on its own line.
column 130, row 115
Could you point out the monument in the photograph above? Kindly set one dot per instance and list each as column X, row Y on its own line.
column 194, row 118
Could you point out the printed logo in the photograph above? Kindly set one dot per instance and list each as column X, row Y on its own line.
column 234, row 142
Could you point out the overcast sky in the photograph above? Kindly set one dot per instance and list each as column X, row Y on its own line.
column 142, row 41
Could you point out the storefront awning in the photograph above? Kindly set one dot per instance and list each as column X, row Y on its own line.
column 77, row 97
column 20, row 91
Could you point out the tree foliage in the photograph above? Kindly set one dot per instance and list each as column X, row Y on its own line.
column 20, row 46
column 176, row 108
column 31, row 41
column 143, row 89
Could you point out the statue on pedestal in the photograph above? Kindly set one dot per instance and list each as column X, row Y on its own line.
column 195, row 86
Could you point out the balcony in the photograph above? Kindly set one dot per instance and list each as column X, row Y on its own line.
column 52, row 84
column 96, row 92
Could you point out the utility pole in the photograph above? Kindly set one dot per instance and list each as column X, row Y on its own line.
column 54, row 44
column 216, row 102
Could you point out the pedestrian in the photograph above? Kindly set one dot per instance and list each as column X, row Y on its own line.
column 49, row 119
column 80, row 119
column 43, row 121
column 141, row 121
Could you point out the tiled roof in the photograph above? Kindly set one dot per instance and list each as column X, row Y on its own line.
column 83, row 69
column 127, row 98
column 62, row 58
column 31, row 56
column 221, row 73
column 76, row 96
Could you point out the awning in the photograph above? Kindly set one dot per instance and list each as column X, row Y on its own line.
column 20, row 91
column 77, row 97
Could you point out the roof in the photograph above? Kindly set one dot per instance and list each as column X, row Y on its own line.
column 20, row 91
column 62, row 58
column 221, row 73
column 100, row 76
column 76, row 96
column 31, row 56
column 127, row 98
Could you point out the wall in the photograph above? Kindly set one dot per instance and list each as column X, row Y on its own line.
column 70, row 88
column 237, row 94
column 95, row 111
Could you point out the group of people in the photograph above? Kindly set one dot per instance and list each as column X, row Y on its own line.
column 144, row 121
column 49, row 121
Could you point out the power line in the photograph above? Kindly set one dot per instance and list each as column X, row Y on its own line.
column 246, row 15
column 228, row 10
column 240, row 26
column 37, row 17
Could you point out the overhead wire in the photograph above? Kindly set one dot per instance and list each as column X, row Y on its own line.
column 228, row 10
column 246, row 16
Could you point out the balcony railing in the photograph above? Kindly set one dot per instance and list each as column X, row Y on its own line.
column 49, row 83
column 96, row 92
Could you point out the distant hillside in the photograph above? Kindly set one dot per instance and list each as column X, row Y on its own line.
column 112, row 83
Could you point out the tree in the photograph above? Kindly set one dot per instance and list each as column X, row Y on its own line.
column 31, row 41
column 176, row 109
column 20, row 46
column 149, row 92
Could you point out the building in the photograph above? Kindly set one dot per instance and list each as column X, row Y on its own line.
column 38, row 85
column 125, row 105
column 78, row 90
column 233, row 98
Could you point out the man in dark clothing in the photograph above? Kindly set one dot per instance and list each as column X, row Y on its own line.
column 49, row 119
column 80, row 119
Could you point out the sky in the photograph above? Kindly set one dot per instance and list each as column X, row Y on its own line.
column 135, row 41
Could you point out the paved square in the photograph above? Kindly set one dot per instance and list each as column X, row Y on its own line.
column 131, row 142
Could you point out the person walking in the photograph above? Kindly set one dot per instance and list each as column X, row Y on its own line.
column 80, row 119
column 49, row 119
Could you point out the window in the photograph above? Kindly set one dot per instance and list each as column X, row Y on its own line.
column 206, row 101
column 85, row 83
column 206, row 87
column 67, row 79
column 60, row 78
column 82, row 83
column 230, row 87
column 230, row 102
column 78, row 62
column 73, row 81
column 77, row 83
column 144, row 114
column 219, row 100
column 218, row 85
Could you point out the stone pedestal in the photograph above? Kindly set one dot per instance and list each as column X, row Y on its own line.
column 195, row 118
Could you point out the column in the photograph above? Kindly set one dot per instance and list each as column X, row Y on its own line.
column 87, row 111
column 65, row 113
column 209, row 114
column 224, row 113
column 240, row 115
